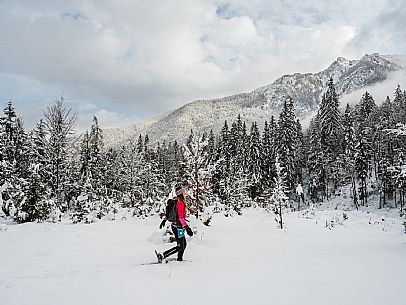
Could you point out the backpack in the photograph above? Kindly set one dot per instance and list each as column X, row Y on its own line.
column 170, row 211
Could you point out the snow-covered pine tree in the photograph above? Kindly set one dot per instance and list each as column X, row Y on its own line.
column 300, row 155
column 181, row 164
column 84, row 158
column 150, row 181
column 59, row 122
column 40, row 169
column 140, row 144
column 400, row 132
column 20, row 172
column 399, row 103
column 367, row 123
column 199, row 171
column 83, row 202
column 287, row 142
column 234, row 141
column 330, row 133
column 220, row 180
column 315, row 162
column 96, row 161
column 268, row 156
column 361, row 167
column 146, row 145
column 36, row 206
column 111, row 172
column 15, row 158
column 366, row 106
column 163, row 161
column 349, row 151
column 211, row 148
column 279, row 201
column 255, row 162
column 7, row 152
column 130, row 166
column 384, row 149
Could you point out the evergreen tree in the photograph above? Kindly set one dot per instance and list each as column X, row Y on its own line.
column 300, row 155
column 14, row 171
column 366, row 106
column 211, row 148
column 287, row 142
column 40, row 172
column 59, row 122
column 361, row 167
column 20, row 172
column 255, row 162
column 140, row 145
column 315, row 162
column 279, row 200
column 349, row 151
column 96, row 157
column 197, row 164
column 268, row 156
column 330, row 133
column 221, row 177
column 330, row 121
column 399, row 103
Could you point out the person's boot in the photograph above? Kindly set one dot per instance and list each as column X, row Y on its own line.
column 179, row 259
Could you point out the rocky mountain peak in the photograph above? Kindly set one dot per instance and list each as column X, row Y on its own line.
column 260, row 104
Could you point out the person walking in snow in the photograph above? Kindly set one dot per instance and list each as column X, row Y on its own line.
column 176, row 214
column 300, row 194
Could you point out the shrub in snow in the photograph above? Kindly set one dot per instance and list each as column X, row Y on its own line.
column 3, row 227
column 80, row 208
column 336, row 219
column 113, row 210
column 55, row 215
column 309, row 213
column 12, row 210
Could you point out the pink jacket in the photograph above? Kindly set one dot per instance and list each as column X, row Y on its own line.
column 180, row 208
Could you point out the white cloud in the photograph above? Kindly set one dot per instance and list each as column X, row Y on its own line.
column 378, row 91
column 139, row 58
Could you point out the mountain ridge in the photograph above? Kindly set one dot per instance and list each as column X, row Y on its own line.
column 260, row 104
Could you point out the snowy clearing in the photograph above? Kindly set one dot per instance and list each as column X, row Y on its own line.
column 238, row 260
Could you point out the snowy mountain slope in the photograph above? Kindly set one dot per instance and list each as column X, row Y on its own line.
column 305, row 89
column 114, row 136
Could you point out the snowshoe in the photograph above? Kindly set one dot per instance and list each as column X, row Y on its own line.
column 159, row 256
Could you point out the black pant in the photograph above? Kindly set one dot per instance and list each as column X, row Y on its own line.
column 180, row 243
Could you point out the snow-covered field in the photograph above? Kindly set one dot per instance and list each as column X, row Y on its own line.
column 238, row 260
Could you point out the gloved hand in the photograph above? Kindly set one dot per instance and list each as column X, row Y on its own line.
column 189, row 231
column 162, row 224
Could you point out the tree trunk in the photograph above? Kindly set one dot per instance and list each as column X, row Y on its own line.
column 384, row 196
column 197, row 192
column 354, row 193
column 396, row 204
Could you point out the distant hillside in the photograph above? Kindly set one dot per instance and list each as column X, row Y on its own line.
column 305, row 89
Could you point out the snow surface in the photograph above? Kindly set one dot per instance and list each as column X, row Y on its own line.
column 322, row 257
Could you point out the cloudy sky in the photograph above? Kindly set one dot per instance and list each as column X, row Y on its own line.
column 126, row 60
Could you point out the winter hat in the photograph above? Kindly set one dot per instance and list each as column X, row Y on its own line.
column 179, row 190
